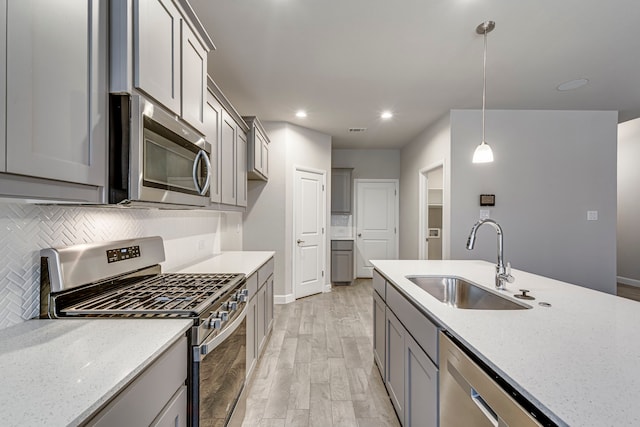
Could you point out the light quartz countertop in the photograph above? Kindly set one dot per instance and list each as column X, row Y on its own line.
column 578, row 361
column 245, row 262
column 59, row 372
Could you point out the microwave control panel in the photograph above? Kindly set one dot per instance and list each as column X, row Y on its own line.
column 121, row 254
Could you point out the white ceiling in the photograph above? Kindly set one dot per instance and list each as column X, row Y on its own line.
column 345, row 61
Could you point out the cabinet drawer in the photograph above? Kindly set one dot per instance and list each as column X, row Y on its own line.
column 252, row 285
column 342, row 245
column 142, row 401
column 379, row 284
column 422, row 330
column 175, row 413
column 265, row 271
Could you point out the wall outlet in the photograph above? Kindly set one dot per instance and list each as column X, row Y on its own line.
column 485, row 213
column 592, row 215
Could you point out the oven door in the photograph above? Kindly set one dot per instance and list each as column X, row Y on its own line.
column 158, row 159
column 219, row 375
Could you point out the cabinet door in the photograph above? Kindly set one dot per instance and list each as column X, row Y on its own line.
column 56, row 83
column 258, row 140
column 241, row 183
column 341, row 191
column 252, row 317
column 213, row 127
column 269, row 305
column 228, row 157
column 394, row 369
column 261, row 324
column 265, row 159
column 157, row 51
column 421, row 387
column 194, row 79
column 379, row 332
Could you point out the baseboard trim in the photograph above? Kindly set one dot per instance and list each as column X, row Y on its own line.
column 627, row 281
column 327, row 287
column 283, row 299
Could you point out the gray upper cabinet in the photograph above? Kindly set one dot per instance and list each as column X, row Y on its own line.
column 258, row 146
column 228, row 176
column 341, row 190
column 157, row 51
column 159, row 48
column 241, row 167
column 56, row 87
column 227, row 133
column 213, row 127
column 194, row 79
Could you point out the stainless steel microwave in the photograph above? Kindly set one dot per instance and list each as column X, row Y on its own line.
column 154, row 159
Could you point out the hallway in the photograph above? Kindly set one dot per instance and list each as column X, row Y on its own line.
column 318, row 369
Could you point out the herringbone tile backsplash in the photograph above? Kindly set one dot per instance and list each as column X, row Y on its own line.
column 25, row 229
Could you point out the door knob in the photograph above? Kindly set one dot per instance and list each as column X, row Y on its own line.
column 299, row 241
column 359, row 234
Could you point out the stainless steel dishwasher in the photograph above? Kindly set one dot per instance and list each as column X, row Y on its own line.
column 470, row 397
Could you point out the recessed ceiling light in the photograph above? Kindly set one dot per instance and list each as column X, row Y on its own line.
column 301, row 114
column 572, row 84
column 386, row 115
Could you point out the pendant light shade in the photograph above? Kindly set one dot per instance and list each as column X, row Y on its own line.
column 483, row 153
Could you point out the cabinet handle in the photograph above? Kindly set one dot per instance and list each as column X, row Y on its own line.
column 202, row 155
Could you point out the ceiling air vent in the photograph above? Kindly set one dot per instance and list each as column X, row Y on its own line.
column 357, row 129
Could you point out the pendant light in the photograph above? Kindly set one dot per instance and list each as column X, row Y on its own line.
column 483, row 153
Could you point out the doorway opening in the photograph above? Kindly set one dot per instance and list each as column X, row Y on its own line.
column 431, row 205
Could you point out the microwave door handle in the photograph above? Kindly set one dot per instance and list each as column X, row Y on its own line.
column 201, row 155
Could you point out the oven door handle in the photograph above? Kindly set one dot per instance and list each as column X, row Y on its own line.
column 209, row 345
column 201, row 155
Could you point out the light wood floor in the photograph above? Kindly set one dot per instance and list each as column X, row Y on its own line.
column 318, row 369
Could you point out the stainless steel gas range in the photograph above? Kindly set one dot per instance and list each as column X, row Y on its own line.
column 124, row 279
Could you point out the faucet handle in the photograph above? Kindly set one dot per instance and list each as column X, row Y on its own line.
column 507, row 275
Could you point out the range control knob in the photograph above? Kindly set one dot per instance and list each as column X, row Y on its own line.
column 242, row 298
column 223, row 315
column 233, row 305
column 215, row 323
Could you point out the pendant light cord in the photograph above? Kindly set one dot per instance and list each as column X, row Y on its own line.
column 484, row 81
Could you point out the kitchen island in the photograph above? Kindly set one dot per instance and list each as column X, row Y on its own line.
column 577, row 360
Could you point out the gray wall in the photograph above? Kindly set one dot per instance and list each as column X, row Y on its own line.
column 368, row 164
column 550, row 168
column 268, row 220
column 629, row 202
column 431, row 146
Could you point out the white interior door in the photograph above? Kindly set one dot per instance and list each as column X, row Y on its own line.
column 309, row 244
column 376, row 223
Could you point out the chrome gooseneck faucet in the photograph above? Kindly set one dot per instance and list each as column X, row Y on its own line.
column 503, row 274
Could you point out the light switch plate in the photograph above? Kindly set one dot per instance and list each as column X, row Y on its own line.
column 592, row 215
column 485, row 213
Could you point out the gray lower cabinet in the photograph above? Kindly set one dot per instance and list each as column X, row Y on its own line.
column 406, row 351
column 342, row 261
column 260, row 312
column 157, row 397
column 379, row 319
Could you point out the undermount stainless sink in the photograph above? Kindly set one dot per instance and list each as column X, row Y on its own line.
column 459, row 293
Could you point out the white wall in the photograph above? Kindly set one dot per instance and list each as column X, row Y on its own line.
column 268, row 220
column 550, row 168
column 189, row 236
column 430, row 147
column 629, row 202
column 368, row 164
